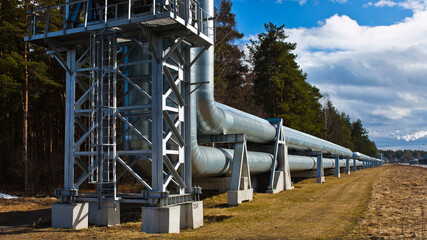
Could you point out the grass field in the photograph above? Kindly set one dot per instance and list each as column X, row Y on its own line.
column 372, row 203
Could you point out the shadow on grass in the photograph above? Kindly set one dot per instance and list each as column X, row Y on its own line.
column 207, row 219
column 18, row 222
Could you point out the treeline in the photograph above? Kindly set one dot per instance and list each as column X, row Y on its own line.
column 32, row 96
column 269, row 83
column 402, row 155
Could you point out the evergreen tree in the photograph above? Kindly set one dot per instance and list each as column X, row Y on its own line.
column 280, row 85
column 361, row 141
column 337, row 125
column 31, row 95
column 232, row 86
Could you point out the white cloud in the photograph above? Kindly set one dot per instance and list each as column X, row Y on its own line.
column 385, row 3
column 414, row 136
column 414, row 5
column 393, row 113
column 377, row 74
column 300, row 2
column 368, row 4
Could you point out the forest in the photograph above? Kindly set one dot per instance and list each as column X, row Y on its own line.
column 402, row 155
column 32, row 95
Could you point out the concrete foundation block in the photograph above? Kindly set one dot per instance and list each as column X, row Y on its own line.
column 161, row 219
column 279, row 182
column 235, row 197
column 192, row 215
column 320, row 179
column 337, row 173
column 70, row 216
column 244, row 183
column 107, row 214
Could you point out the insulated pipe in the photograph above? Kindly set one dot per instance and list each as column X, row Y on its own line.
column 210, row 117
column 216, row 118
column 305, row 163
column 364, row 157
column 302, row 141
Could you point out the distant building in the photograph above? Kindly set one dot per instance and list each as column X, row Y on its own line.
column 413, row 161
column 423, row 160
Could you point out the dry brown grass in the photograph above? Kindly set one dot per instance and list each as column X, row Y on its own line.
column 25, row 204
column 398, row 206
column 310, row 211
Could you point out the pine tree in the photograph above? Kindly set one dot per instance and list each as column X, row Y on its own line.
column 361, row 140
column 280, row 85
column 31, row 96
column 337, row 125
column 232, row 86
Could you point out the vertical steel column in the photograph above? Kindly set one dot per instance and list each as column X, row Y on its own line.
column 347, row 165
column 354, row 165
column 337, row 166
column 157, row 117
column 187, row 121
column 320, row 174
column 69, row 120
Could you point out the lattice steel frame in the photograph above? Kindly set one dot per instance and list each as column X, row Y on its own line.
column 95, row 81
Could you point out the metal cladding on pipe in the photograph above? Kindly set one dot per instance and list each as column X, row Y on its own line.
column 364, row 157
column 306, row 163
column 302, row 141
column 216, row 118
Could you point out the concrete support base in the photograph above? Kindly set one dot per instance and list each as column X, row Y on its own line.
column 279, row 182
column 71, row 216
column 235, row 197
column 191, row 215
column 107, row 214
column 320, row 179
column 337, row 173
column 161, row 219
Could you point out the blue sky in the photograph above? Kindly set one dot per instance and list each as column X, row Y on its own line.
column 370, row 57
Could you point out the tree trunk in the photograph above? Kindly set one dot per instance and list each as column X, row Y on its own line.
column 25, row 115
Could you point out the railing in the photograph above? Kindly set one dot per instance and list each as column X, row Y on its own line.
column 84, row 13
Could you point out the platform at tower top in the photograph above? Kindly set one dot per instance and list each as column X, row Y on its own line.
column 71, row 23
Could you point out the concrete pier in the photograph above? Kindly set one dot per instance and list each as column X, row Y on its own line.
column 320, row 173
column 171, row 219
column 337, row 167
column 191, row 215
column 70, row 216
column 106, row 213
column 244, row 193
column 161, row 219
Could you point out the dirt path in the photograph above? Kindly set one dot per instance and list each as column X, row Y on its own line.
column 398, row 208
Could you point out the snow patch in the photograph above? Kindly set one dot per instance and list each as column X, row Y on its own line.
column 7, row 196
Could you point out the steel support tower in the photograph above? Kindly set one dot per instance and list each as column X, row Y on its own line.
column 127, row 94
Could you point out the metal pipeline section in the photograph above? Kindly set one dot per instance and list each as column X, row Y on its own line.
column 216, row 118
column 305, row 163
column 210, row 117
column 364, row 157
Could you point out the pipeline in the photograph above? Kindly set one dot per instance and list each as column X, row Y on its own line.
column 215, row 118
column 210, row 117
